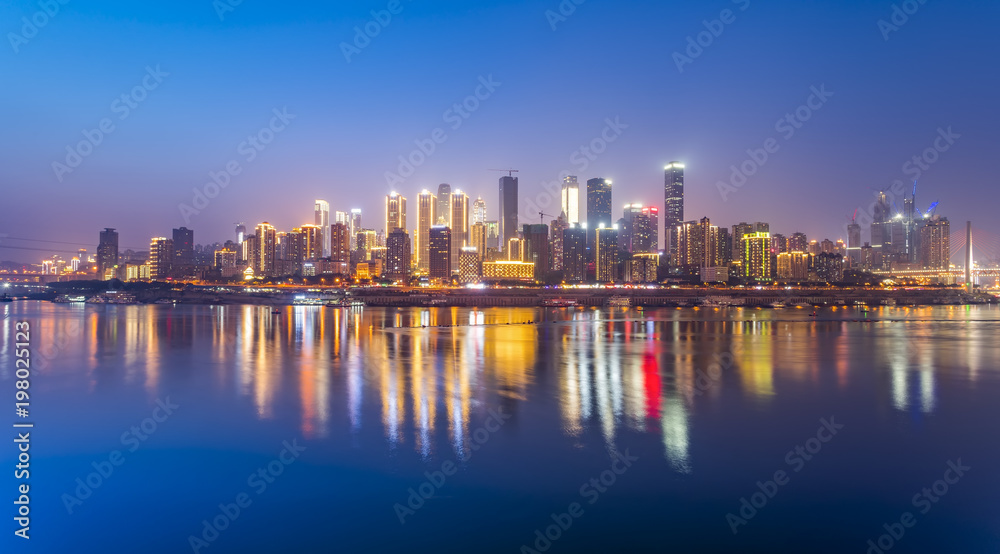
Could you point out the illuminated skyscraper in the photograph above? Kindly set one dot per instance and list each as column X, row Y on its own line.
column 340, row 243
column 427, row 205
column 757, row 256
column 107, row 254
column 606, row 254
column 673, row 204
column 570, row 197
column 799, row 242
column 161, row 257
column 397, row 256
column 493, row 235
column 312, row 242
column 598, row 206
column 264, row 256
column 935, row 243
column 322, row 220
column 575, row 254
column 459, row 225
column 395, row 212
column 508, row 209
column 479, row 211
column 536, row 248
column 444, row 205
column 556, row 242
column 241, row 233
column 355, row 226
column 477, row 239
column 439, row 252
column 638, row 230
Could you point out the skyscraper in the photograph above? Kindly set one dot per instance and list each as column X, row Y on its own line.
column 575, row 254
column 264, row 256
column 355, row 226
column 107, row 254
column 673, row 200
column 536, row 248
column 444, row 205
column 312, row 242
column 479, row 211
column 508, row 209
column 556, row 242
column 439, row 252
column 477, row 239
column 639, row 229
column 340, row 243
column 459, row 225
column 799, row 242
column 935, row 243
column 397, row 262
column 241, row 233
column 757, row 256
column 161, row 257
column 427, row 205
column 322, row 220
column 598, row 206
column 183, row 246
column 571, row 199
column 395, row 212
column 606, row 254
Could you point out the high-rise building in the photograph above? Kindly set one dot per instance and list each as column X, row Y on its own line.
column 107, row 255
column 241, row 232
column 322, row 220
column 459, row 225
column 397, row 255
column 477, row 240
column 575, row 254
column 395, row 212
column 340, row 243
column 264, row 255
column 697, row 245
column 779, row 244
column 673, row 204
column 508, row 209
column 493, row 235
column 355, row 226
column 439, row 252
column 479, row 211
column 639, row 229
column 757, row 256
column 798, row 242
column 793, row 266
column 598, row 206
column 606, row 254
column 829, row 267
column 444, row 205
column 161, row 257
column 183, row 246
column 558, row 225
column 570, row 197
column 935, row 243
column 536, row 248
column 426, row 218
column 312, row 242
column 881, row 227
column 367, row 240
column 470, row 265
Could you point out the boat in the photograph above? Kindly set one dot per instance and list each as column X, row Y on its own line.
column 345, row 303
column 69, row 299
column 113, row 297
column 6, row 298
column 778, row 304
column 619, row 302
column 558, row 303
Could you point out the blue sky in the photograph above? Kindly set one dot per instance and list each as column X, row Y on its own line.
column 557, row 88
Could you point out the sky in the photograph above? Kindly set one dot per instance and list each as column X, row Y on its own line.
column 619, row 79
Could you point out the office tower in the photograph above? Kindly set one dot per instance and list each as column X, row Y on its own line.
column 470, row 265
column 935, row 243
column 340, row 243
column 439, row 252
column 241, row 233
column 427, row 205
column 673, row 204
column 854, row 244
column 606, row 254
column 575, row 254
column 397, row 254
column 477, row 238
column 183, row 246
column 570, row 197
column 639, row 229
column 395, row 212
column 355, row 226
column 107, row 255
column 558, row 225
column 444, row 205
column 779, row 244
column 536, row 248
column 322, row 220
column 793, row 266
column 493, row 235
column 625, row 227
column 459, row 225
column 798, row 242
column 697, row 245
column 881, row 225
column 264, row 254
column 598, row 206
column 367, row 241
column 508, row 210
column 479, row 211
column 161, row 257
column 515, row 250
column 757, row 255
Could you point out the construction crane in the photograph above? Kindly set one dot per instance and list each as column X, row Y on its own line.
column 509, row 172
column 541, row 217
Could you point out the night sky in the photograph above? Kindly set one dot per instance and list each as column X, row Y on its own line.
column 557, row 89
